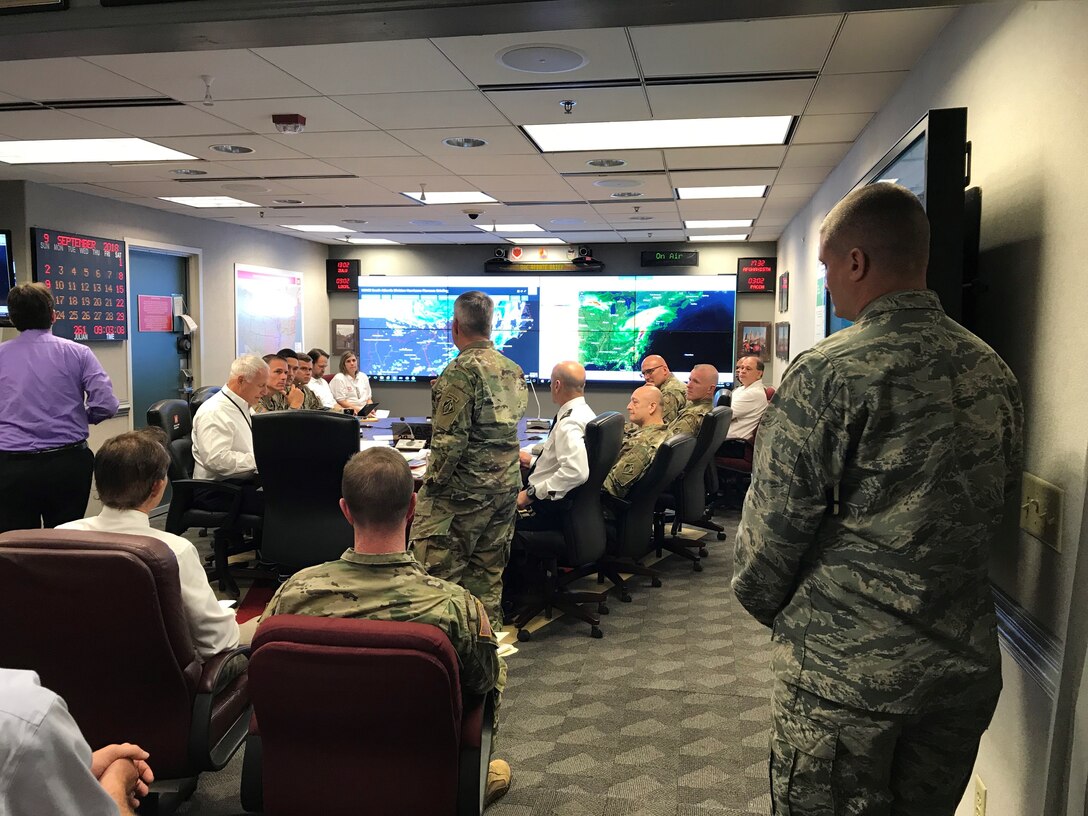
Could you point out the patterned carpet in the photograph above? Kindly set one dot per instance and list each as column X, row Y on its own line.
column 667, row 715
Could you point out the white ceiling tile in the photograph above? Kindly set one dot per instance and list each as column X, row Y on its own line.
column 742, row 47
column 801, row 175
column 50, row 124
column 651, row 186
column 606, row 50
column 771, row 221
column 854, row 93
column 466, row 162
column 424, row 109
column 370, row 67
column 533, row 196
column 591, row 238
column 65, row 78
column 498, row 184
column 721, row 208
column 169, row 120
column 444, row 183
column 707, row 158
column 390, row 166
column 538, row 107
column 786, row 207
column 651, row 234
column 721, row 178
column 283, row 167
column 885, row 40
column 783, row 191
column 816, row 155
column 500, row 140
column 835, row 128
column 657, row 222
column 348, row 191
column 322, row 115
column 345, row 144
column 237, row 74
column 140, row 172
column 610, row 210
column 200, row 146
column 701, row 101
column 636, row 161
column 7, row 98
column 768, row 234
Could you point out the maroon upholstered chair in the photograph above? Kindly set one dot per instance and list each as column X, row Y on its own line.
column 99, row 617
column 358, row 716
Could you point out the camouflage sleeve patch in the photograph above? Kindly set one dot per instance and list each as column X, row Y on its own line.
column 484, row 630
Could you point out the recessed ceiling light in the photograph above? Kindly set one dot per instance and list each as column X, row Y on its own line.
column 738, row 237
column 542, row 58
column 567, row 222
column 373, row 241
column 661, row 133
column 78, row 151
column 188, row 171
column 514, row 228
column 246, row 188
column 467, row 197
column 606, row 162
column 286, row 200
column 464, row 141
column 530, row 241
column 728, row 223
column 317, row 228
column 207, row 201
column 743, row 191
column 627, row 194
column 229, row 148
column 617, row 183
column 426, row 222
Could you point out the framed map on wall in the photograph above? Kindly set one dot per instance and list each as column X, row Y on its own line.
column 267, row 308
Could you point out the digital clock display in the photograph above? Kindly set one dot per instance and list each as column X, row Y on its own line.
column 89, row 283
column 755, row 274
column 342, row 275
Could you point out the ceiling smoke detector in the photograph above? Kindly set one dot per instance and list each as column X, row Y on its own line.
column 289, row 122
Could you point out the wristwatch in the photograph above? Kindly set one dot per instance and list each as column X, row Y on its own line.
column 530, row 491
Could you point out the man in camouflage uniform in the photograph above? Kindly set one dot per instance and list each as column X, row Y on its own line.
column 700, row 394
column 310, row 400
column 673, row 396
column 467, row 506
column 640, row 444
column 880, row 477
column 379, row 580
column 281, row 391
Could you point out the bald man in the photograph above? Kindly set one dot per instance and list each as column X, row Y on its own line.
column 673, row 396
column 700, row 394
column 560, row 464
column 640, row 444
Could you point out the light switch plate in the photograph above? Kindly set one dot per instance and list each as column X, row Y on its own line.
column 1041, row 510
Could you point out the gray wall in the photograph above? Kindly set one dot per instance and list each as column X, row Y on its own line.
column 1020, row 70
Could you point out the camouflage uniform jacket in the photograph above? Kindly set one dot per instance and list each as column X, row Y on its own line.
column 394, row 587
column 275, row 401
column 636, row 454
column 690, row 420
column 884, row 605
column 674, row 396
column 476, row 405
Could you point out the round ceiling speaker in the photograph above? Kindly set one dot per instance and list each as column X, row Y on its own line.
column 542, row 59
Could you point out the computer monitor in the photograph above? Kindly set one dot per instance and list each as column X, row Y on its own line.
column 7, row 274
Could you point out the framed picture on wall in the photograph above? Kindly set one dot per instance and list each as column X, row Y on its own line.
column 345, row 336
column 782, row 341
column 754, row 339
column 784, row 292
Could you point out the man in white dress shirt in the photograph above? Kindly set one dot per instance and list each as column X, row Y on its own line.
column 317, row 382
column 562, row 463
column 749, row 401
column 130, row 476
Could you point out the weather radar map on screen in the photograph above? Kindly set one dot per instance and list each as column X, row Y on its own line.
column 607, row 323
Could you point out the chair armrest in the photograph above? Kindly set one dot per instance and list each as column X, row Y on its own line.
column 477, row 727
column 214, row 684
column 184, row 491
column 214, row 666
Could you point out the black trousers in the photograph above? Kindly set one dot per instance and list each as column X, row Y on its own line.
column 546, row 515
column 252, row 497
column 44, row 489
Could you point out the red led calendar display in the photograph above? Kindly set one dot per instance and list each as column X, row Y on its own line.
column 89, row 282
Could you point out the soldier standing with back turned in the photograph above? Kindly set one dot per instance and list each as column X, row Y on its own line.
column 465, row 517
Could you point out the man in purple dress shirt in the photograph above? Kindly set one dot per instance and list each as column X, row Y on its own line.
column 51, row 390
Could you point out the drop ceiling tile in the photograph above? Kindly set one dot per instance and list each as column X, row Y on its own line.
column 345, row 144
column 283, row 167
column 97, row 190
column 711, row 158
column 171, row 120
column 636, row 161
column 167, row 187
column 885, row 40
column 720, row 208
column 606, row 51
column 801, row 175
column 768, row 221
column 768, row 234
column 782, row 191
column 591, row 238
column 636, row 222
column 598, row 188
column 534, row 197
column 500, row 140
column 609, row 210
column 200, row 146
column 6, row 98
column 50, row 124
column 424, row 109
column 646, row 235
column 701, row 101
column 784, row 208
column 140, row 172
column 66, row 78
column 322, row 115
column 390, row 166
column 551, row 183
column 539, row 107
column 816, row 155
column 236, row 74
column 854, row 93
column 835, row 128
column 741, row 47
column 371, row 67
column 435, row 184
column 721, row 178
column 467, row 163
column 348, row 191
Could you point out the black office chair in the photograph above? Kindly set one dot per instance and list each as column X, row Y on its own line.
column 200, row 396
column 301, row 457
column 686, row 498
column 630, row 531
column 173, row 417
column 580, row 543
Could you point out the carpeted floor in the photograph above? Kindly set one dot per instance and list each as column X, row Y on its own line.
column 667, row 715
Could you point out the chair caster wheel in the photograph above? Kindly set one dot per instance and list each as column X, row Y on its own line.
column 703, row 552
column 697, row 567
column 595, row 631
column 626, row 597
column 602, row 609
column 721, row 536
column 524, row 635
column 655, row 582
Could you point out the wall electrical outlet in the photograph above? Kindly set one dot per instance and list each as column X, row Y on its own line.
column 980, row 797
column 1041, row 510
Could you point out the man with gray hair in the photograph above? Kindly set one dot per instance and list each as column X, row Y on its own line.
column 465, row 517
column 880, row 478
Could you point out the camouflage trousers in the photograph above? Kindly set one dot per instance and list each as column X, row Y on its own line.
column 829, row 760
column 465, row 538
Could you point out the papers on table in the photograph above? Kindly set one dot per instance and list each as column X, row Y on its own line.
column 382, row 413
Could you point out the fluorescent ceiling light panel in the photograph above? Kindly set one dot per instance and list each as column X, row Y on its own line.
column 527, row 241
column 661, row 133
column 468, row 197
column 735, row 223
column 78, row 151
column 747, row 191
column 509, row 227
column 317, row 228
column 740, row 236
column 208, row 201
column 373, row 241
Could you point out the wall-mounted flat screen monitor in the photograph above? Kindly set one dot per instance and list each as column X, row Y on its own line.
column 7, row 274
column 608, row 323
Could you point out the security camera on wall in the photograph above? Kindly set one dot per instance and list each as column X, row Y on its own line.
column 472, row 214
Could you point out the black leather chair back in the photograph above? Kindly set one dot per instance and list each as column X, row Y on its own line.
column 301, row 457
column 689, row 491
column 200, row 396
column 172, row 415
column 635, row 528
column 584, row 522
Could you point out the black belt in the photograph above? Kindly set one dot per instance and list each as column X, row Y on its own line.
column 30, row 454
